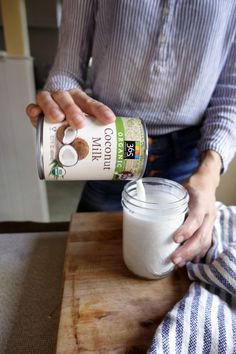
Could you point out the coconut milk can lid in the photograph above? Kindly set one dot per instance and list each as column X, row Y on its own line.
column 39, row 147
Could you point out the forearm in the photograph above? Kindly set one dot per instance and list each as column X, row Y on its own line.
column 74, row 46
column 210, row 167
column 196, row 232
column 219, row 126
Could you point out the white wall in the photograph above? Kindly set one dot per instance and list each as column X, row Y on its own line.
column 43, row 18
column 226, row 192
column 22, row 195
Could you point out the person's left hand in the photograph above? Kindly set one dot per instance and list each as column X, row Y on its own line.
column 195, row 235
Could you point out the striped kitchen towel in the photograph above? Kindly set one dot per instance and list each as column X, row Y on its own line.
column 204, row 321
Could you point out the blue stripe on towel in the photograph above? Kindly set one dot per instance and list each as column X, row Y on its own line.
column 165, row 334
column 180, row 326
column 233, row 317
column 197, row 271
column 194, row 319
column 230, row 224
column 223, row 280
column 231, row 272
column 152, row 349
column 222, row 342
column 207, row 326
column 230, row 255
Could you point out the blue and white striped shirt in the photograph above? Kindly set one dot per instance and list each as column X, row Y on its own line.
column 172, row 63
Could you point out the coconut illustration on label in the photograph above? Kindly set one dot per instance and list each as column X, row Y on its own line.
column 69, row 155
column 61, row 133
column 81, row 147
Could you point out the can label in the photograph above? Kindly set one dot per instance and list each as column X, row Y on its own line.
column 116, row 151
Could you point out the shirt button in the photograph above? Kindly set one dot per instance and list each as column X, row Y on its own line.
column 165, row 11
column 162, row 38
column 156, row 69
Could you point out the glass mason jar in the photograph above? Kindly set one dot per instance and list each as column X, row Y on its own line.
column 149, row 225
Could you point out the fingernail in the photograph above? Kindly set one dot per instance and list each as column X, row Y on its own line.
column 110, row 116
column 77, row 121
column 57, row 114
column 78, row 124
column 35, row 111
column 178, row 260
column 179, row 239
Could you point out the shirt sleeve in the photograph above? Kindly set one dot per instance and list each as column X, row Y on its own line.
column 74, row 46
column 219, row 126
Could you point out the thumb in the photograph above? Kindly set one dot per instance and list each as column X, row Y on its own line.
column 33, row 111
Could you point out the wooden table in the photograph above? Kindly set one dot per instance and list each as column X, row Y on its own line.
column 105, row 308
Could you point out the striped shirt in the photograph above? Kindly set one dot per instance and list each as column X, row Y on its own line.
column 170, row 62
column 204, row 321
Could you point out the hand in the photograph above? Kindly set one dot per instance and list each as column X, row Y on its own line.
column 195, row 234
column 70, row 105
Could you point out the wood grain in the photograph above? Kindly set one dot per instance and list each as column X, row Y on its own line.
column 105, row 308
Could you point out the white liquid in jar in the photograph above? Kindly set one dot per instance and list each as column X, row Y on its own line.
column 147, row 239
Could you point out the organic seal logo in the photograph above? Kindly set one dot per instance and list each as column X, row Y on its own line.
column 57, row 170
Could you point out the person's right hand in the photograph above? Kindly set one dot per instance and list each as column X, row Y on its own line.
column 71, row 105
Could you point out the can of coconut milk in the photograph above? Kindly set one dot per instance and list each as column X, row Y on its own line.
column 117, row 151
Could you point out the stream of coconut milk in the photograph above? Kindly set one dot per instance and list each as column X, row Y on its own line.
column 140, row 190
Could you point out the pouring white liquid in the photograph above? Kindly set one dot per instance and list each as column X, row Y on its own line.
column 141, row 195
column 148, row 229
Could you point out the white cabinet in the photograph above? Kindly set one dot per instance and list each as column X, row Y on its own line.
column 22, row 194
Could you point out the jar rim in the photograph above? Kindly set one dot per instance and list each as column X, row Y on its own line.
column 132, row 200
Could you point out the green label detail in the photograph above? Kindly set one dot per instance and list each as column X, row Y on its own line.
column 120, row 162
column 57, row 171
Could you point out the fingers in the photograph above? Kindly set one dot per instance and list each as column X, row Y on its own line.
column 70, row 105
column 49, row 107
column 195, row 235
column 191, row 224
column 33, row 111
column 92, row 107
column 196, row 246
column 72, row 112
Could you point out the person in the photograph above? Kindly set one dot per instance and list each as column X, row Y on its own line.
column 171, row 63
